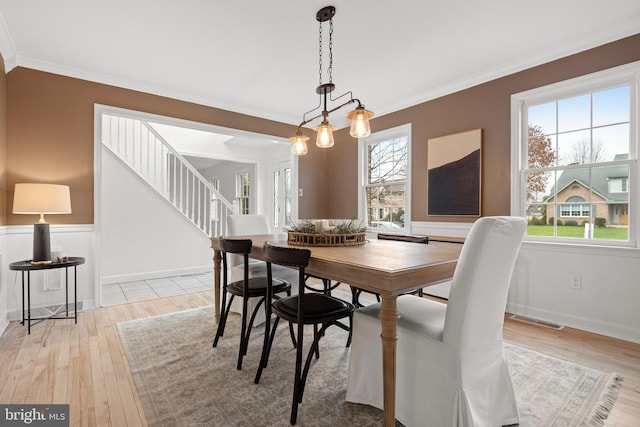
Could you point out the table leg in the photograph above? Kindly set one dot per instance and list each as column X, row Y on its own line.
column 75, row 293
column 389, row 320
column 217, row 260
column 66, row 291
column 23, row 301
column 28, row 302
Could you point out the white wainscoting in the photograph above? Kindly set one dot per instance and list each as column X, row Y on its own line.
column 71, row 240
column 4, row 322
column 541, row 286
column 440, row 229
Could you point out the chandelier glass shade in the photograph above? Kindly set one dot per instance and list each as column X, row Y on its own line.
column 359, row 117
column 360, row 122
column 299, row 144
column 324, row 138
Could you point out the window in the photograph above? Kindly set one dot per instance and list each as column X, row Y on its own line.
column 384, row 163
column 618, row 185
column 287, row 196
column 242, row 192
column 576, row 208
column 574, row 156
column 275, row 202
column 281, row 196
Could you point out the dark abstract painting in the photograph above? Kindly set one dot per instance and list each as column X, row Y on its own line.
column 454, row 173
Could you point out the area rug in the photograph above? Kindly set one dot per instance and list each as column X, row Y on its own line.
column 183, row 381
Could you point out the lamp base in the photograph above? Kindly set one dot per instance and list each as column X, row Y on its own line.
column 41, row 244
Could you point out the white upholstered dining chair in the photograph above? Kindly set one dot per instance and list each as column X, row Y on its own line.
column 450, row 366
column 246, row 225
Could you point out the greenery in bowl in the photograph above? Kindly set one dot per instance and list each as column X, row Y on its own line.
column 343, row 227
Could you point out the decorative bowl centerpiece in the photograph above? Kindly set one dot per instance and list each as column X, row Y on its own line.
column 326, row 233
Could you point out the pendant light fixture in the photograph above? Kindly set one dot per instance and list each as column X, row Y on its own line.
column 359, row 117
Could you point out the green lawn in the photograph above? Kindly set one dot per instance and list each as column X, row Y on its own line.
column 605, row 233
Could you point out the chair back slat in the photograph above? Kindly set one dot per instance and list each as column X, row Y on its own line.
column 404, row 237
column 235, row 246
column 289, row 257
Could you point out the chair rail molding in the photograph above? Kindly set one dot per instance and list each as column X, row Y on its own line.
column 446, row 229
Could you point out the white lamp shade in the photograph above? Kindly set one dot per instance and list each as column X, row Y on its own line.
column 41, row 199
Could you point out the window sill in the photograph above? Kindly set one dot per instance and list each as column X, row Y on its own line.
column 592, row 249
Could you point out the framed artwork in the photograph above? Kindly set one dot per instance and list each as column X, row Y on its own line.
column 454, row 164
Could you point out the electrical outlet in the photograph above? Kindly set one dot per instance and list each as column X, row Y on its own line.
column 300, row 192
column 576, row 283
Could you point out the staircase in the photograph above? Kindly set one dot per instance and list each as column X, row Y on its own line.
column 137, row 144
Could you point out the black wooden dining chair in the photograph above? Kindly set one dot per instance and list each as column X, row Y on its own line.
column 356, row 292
column 246, row 288
column 313, row 308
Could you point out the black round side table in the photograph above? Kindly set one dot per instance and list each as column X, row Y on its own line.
column 27, row 267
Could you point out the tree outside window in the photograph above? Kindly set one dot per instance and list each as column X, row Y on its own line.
column 385, row 186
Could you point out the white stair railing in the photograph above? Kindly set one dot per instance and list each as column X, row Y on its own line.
column 140, row 147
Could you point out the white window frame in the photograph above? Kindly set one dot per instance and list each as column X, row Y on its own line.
column 239, row 195
column 628, row 74
column 363, row 143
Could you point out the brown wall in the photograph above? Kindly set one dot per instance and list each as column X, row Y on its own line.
column 485, row 106
column 50, row 133
column 3, row 143
column 314, row 181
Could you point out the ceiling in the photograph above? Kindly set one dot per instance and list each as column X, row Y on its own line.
column 261, row 57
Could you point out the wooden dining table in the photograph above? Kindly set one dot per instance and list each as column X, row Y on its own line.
column 389, row 268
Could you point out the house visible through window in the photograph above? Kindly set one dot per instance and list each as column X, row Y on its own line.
column 385, row 186
column 575, row 154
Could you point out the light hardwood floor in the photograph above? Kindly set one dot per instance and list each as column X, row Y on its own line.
column 84, row 364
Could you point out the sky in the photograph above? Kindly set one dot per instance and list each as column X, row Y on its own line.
column 604, row 115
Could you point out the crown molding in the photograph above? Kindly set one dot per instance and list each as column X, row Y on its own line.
column 78, row 73
column 7, row 47
column 596, row 39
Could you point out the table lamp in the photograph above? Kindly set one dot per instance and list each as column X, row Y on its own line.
column 41, row 199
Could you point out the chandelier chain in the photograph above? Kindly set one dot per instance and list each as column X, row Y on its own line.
column 359, row 116
column 330, row 70
column 320, row 54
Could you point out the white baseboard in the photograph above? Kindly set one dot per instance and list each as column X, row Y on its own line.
column 3, row 325
column 597, row 327
column 41, row 310
column 148, row 275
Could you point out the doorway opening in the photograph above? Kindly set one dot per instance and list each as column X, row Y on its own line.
column 139, row 234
